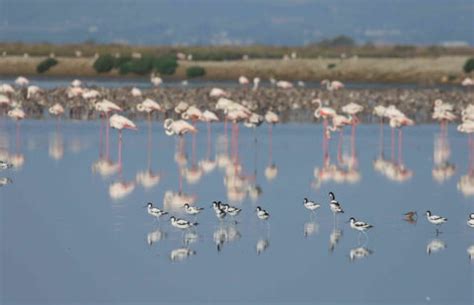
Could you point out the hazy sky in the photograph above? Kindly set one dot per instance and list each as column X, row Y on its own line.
column 237, row 21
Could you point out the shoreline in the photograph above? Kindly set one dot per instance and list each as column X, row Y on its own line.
column 417, row 70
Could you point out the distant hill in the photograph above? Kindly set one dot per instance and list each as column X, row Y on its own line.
column 282, row 22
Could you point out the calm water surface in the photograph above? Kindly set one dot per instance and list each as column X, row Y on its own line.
column 74, row 229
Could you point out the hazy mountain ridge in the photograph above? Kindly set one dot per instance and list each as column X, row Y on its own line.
column 236, row 22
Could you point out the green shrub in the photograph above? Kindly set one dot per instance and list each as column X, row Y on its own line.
column 139, row 66
column 119, row 61
column 469, row 65
column 165, row 65
column 195, row 71
column 46, row 64
column 331, row 66
column 104, row 63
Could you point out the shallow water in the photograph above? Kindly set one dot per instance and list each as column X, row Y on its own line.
column 73, row 234
column 48, row 82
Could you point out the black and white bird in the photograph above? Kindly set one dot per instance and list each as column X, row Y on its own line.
column 470, row 221
column 262, row 214
column 334, row 205
column 5, row 165
column 154, row 211
column 220, row 214
column 435, row 219
column 359, row 225
column 231, row 210
column 181, row 223
column 192, row 210
column 310, row 205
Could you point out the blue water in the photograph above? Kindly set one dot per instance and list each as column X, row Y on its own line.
column 48, row 82
column 65, row 238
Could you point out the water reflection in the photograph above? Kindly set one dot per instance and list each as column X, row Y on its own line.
column 334, row 239
column 262, row 245
column 443, row 170
column 466, row 182
column 224, row 234
column 5, row 180
column 181, row 254
column 470, row 252
column 434, row 246
column 359, row 253
column 155, row 236
column 56, row 146
column 147, row 178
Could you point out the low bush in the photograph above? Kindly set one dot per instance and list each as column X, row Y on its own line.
column 166, row 64
column 469, row 65
column 104, row 63
column 46, row 64
column 195, row 71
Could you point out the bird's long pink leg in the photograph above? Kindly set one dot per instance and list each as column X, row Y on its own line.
column 225, row 126
column 120, row 150
column 101, row 138
column 149, row 143
column 471, row 154
column 270, row 144
column 107, row 127
column 194, row 146
column 325, row 139
column 400, row 144
column 208, row 140
column 17, row 137
column 393, row 145
column 181, row 153
column 339, row 146
column 237, row 142
column 381, row 137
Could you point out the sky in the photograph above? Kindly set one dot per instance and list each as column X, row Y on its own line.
column 203, row 22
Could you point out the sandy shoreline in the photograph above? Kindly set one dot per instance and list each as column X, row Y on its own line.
column 423, row 70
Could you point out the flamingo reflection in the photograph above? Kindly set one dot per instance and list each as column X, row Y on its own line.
column 466, row 182
column 443, row 170
column 147, row 178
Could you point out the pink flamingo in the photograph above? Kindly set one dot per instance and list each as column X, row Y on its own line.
column 120, row 122
column 332, row 85
column 209, row 117
column 399, row 122
column 56, row 110
column 325, row 113
column 105, row 107
column 443, row 112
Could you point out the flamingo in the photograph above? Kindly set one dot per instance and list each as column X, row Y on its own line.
column 6, row 89
column 179, row 127
column 32, row 91
column 149, row 106
column 156, row 80
column 332, row 85
column 76, row 83
column 56, row 110
column 4, row 102
column 283, row 84
column 181, row 107
column 105, row 107
column 120, row 122
column 22, row 81
column 399, row 122
column 243, row 80
column 256, row 82
column 325, row 113
column 468, row 113
column 467, row 82
column 16, row 114
column 136, row 92
column 271, row 118
column 218, row 92
column 442, row 112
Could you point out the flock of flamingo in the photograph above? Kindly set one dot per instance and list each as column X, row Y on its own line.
column 236, row 113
